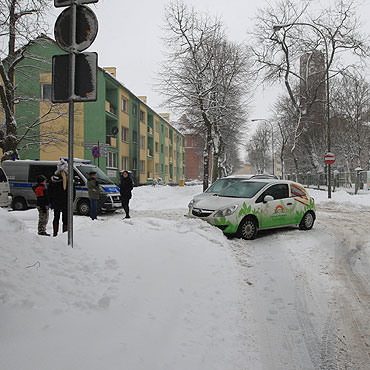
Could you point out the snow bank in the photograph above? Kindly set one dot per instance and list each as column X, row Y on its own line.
column 340, row 198
column 148, row 293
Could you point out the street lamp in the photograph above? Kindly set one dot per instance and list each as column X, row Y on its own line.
column 278, row 27
column 272, row 140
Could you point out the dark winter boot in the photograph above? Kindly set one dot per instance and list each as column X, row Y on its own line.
column 65, row 228
column 55, row 228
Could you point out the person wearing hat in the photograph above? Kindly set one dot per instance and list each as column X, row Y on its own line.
column 126, row 187
column 42, row 204
column 94, row 194
column 58, row 195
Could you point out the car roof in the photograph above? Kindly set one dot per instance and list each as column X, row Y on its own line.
column 237, row 177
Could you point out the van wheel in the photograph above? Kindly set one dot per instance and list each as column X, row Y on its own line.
column 248, row 229
column 307, row 221
column 83, row 207
column 19, row 204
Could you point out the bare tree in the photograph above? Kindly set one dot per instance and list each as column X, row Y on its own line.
column 258, row 148
column 203, row 77
column 21, row 23
column 302, row 45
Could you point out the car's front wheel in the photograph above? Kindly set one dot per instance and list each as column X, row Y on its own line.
column 83, row 207
column 248, row 229
column 307, row 221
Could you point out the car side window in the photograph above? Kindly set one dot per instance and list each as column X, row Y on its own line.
column 36, row 170
column 278, row 191
column 2, row 176
column 296, row 191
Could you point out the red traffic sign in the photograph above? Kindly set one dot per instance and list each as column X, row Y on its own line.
column 95, row 152
column 329, row 158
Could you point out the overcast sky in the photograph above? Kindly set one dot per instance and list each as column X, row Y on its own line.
column 129, row 39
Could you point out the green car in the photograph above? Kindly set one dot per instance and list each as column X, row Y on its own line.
column 245, row 207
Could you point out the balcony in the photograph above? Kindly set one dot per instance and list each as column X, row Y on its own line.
column 150, row 130
column 110, row 108
column 112, row 141
column 150, row 152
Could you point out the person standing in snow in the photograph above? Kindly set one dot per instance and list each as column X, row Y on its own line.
column 126, row 187
column 42, row 204
column 94, row 194
column 58, row 195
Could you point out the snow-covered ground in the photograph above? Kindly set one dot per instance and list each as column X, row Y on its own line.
column 161, row 291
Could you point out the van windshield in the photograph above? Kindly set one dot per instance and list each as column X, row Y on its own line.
column 100, row 175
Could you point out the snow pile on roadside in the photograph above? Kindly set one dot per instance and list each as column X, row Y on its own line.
column 142, row 294
column 340, row 198
column 163, row 197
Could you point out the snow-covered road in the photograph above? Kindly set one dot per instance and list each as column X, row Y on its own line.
column 164, row 292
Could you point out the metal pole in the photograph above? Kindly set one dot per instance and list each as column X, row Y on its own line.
column 72, row 71
column 273, row 149
column 328, row 117
column 99, row 154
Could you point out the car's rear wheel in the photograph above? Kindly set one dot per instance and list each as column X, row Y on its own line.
column 248, row 229
column 83, row 207
column 19, row 204
column 307, row 221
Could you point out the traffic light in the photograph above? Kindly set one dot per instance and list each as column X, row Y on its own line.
column 60, row 3
column 76, row 66
column 86, row 69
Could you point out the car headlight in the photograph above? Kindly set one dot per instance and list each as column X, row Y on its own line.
column 191, row 204
column 223, row 212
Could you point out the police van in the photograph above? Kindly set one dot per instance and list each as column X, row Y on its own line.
column 5, row 199
column 22, row 176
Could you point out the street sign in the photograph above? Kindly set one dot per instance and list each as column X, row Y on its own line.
column 86, row 28
column 86, row 76
column 95, row 152
column 329, row 158
column 60, row 3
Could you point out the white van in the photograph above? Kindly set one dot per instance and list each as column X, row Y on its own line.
column 5, row 198
column 22, row 176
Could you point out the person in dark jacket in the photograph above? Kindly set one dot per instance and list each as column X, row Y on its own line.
column 42, row 204
column 58, row 194
column 94, row 194
column 126, row 187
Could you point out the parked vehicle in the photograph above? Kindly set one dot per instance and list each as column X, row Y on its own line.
column 245, row 207
column 22, row 176
column 222, row 183
column 5, row 198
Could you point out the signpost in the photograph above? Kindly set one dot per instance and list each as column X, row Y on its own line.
column 74, row 74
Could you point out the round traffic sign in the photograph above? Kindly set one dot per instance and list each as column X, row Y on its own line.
column 95, row 152
column 86, row 28
column 329, row 158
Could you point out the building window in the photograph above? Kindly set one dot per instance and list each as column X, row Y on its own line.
column 157, row 168
column 134, row 109
column 112, row 160
column 134, row 164
column 162, row 148
column 156, row 126
column 124, row 134
column 46, row 91
column 142, row 116
column 142, row 142
column 124, row 163
column 166, row 131
column 142, row 166
column 156, row 147
column 134, row 136
column 162, row 128
column 123, row 104
column 162, row 167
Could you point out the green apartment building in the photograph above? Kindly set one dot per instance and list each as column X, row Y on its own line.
column 146, row 143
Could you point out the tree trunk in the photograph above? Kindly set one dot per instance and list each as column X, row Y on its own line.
column 215, row 161
column 206, row 155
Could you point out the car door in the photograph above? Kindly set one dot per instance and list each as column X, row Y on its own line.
column 300, row 199
column 4, row 189
column 276, row 212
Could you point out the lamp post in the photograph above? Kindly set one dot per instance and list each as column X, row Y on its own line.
column 272, row 140
column 277, row 28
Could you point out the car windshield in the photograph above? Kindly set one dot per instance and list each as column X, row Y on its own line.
column 100, row 175
column 221, row 184
column 246, row 189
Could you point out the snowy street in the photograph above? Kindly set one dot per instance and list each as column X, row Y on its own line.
column 161, row 291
